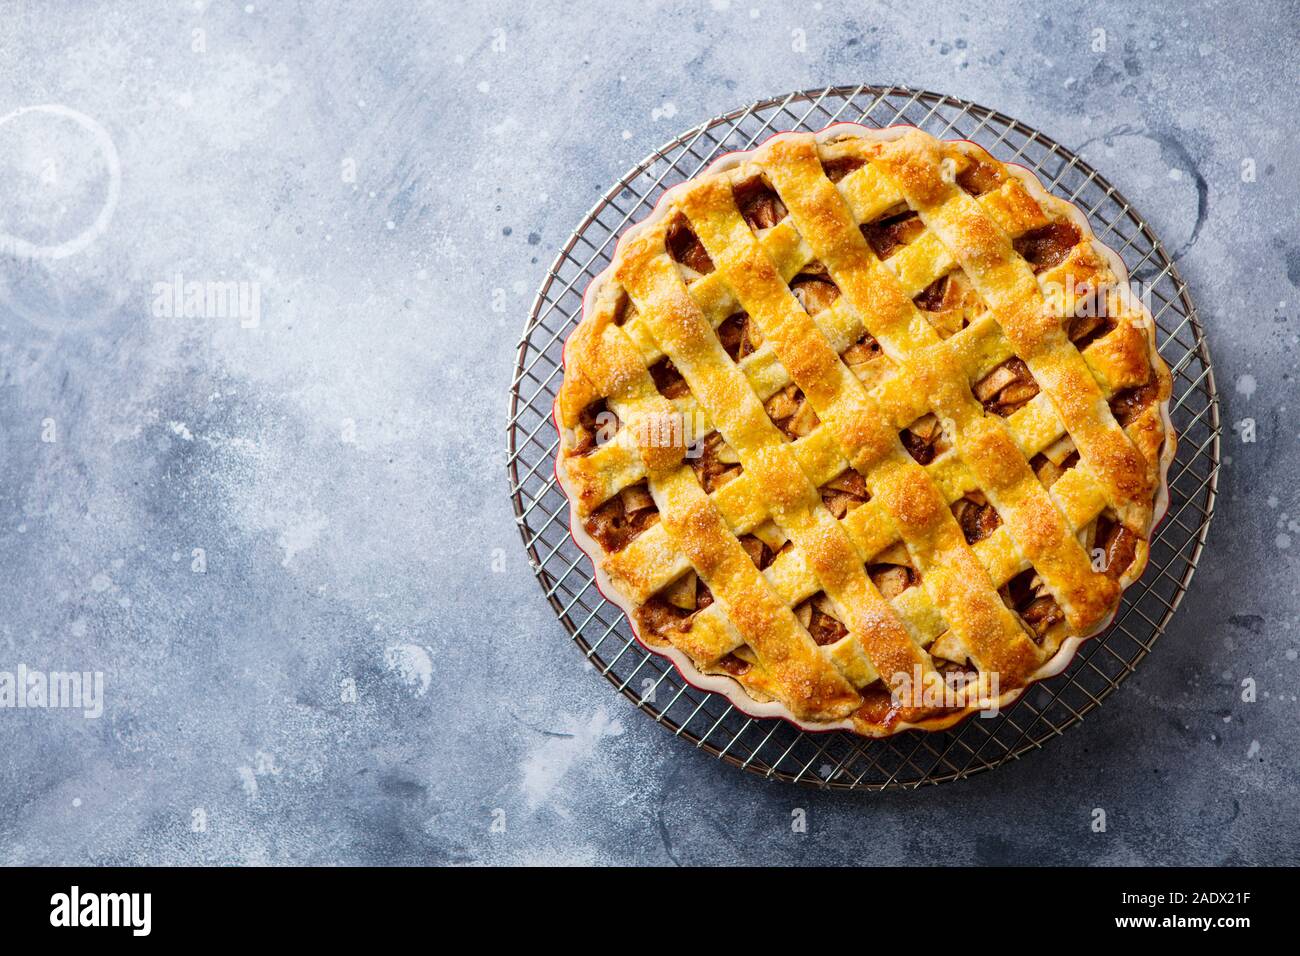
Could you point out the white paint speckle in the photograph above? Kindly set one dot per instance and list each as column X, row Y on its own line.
column 1246, row 385
column 248, row 780
column 412, row 665
column 181, row 430
column 1253, row 750
column 667, row 111
column 299, row 532
column 546, row 766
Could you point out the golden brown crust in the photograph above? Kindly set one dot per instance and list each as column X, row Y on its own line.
column 1032, row 267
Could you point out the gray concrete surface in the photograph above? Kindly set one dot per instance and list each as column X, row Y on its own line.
column 377, row 172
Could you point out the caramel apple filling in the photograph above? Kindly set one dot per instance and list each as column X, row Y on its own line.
column 815, row 293
column 716, row 464
column 685, row 247
column 1117, row 543
column 861, row 354
column 735, row 665
column 892, row 573
column 597, row 424
column 764, row 545
column 837, row 169
column 1127, row 405
column 1054, row 461
column 791, row 413
column 739, row 336
column 621, row 519
column 924, row 439
column 934, row 297
column 1007, row 388
column 844, row 492
column 980, row 177
column 1083, row 330
column 1027, row 595
column 949, row 303
column 673, row 608
column 759, row 204
column 978, row 519
column 624, row 310
column 818, row 617
column 886, row 236
column 668, row 380
column 1049, row 245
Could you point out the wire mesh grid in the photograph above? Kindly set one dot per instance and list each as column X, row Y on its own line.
column 774, row 748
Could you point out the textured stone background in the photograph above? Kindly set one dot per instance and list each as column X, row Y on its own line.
column 340, row 464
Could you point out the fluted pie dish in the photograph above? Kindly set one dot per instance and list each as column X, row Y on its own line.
column 865, row 430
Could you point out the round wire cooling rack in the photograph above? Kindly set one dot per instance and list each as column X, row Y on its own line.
column 775, row 748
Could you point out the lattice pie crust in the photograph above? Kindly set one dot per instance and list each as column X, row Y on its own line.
column 864, row 430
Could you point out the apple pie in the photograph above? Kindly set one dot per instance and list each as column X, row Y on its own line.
column 864, row 429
